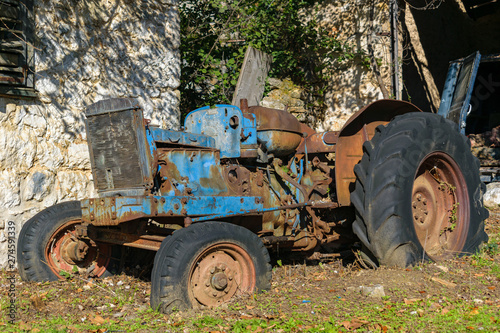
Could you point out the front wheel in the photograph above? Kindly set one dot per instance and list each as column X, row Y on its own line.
column 49, row 249
column 207, row 264
column 418, row 195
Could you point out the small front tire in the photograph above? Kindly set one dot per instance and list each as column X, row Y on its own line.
column 48, row 248
column 207, row 264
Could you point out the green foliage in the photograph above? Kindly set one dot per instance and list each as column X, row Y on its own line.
column 215, row 35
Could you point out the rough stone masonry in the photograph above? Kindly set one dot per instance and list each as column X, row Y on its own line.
column 85, row 51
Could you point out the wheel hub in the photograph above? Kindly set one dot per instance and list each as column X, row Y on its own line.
column 65, row 252
column 440, row 206
column 219, row 281
column 221, row 272
column 74, row 250
column 420, row 208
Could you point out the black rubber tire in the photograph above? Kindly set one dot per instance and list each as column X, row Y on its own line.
column 382, row 196
column 36, row 234
column 176, row 258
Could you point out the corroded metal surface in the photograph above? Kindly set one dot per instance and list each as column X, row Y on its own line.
column 440, row 206
column 64, row 252
column 358, row 129
column 319, row 143
column 220, row 272
column 277, row 130
column 257, row 167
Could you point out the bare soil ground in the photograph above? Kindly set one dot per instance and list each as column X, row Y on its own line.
column 461, row 294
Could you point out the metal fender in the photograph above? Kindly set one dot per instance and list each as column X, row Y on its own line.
column 358, row 129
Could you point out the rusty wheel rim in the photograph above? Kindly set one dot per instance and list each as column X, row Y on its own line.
column 66, row 253
column 220, row 272
column 440, row 206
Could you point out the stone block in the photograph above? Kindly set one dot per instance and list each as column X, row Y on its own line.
column 78, row 156
column 38, row 185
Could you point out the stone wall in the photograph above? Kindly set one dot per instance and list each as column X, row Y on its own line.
column 355, row 23
column 85, row 51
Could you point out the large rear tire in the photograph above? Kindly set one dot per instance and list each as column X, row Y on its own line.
column 418, row 195
column 207, row 264
column 49, row 250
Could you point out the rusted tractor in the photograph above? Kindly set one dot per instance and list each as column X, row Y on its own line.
column 213, row 199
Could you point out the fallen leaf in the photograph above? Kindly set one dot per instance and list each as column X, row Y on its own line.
column 353, row 324
column 474, row 312
column 479, row 275
column 250, row 307
column 37, row 302
column 412, row 300
column 179, row 323
column 443, row 282
column 246, row 317
column 492, row 288
column 98, row 320
column 23, row 326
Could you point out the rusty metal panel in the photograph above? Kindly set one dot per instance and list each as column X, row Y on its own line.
column 277, row 130
column 182, row 138
column 319, row 143
column 110, row 211
column 120, row 152
column 192, row 172
column 358, row 129
column 223, row 123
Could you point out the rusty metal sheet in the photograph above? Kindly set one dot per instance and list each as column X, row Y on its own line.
column 146, row 242
column 111, row 211
column 358, row 129
column 319, row 143
column 274, row 119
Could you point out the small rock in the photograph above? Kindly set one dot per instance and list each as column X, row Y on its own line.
column 275, row 83
column 119, row 283
column 478, row 301
column 492, row 196
column 443, row 268
column 118, row 314
column 376, row 291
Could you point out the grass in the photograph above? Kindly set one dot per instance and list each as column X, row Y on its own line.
column 321, row 298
